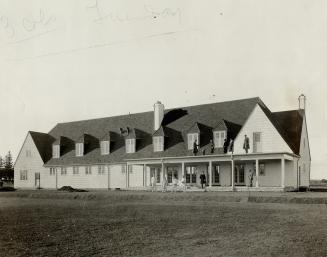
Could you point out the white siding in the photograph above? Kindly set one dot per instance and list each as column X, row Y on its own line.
column 32, row 163
column 271, row 139
column 136, row 176
column 82, row 180
column 117, row 176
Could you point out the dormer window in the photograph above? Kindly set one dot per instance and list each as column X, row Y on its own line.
column 105, row 147
column 219, row 138
column 79, row 149
column 191, row 138
column 56, row 151
column 158, row 143
column 130, row 145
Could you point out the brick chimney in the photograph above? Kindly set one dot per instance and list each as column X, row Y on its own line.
column 302, row 100
column 159, row 109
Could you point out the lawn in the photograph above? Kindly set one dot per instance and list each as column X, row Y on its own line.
column 159, row 226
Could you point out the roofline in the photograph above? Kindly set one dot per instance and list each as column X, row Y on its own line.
column 177, row 107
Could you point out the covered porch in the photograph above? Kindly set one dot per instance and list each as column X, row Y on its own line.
column 254, row 172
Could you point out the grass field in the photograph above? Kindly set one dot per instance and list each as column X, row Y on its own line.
column 159, row 226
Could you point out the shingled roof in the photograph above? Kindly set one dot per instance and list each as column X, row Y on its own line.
column 176, row 122
column 290, row 127
column 43, row 143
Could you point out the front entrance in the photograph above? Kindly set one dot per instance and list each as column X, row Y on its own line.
column 172, row 172
column 156, row 173
column 37, row 180
column 239, row 175
column 190, row 175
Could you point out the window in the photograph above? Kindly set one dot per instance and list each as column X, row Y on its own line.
column 158, row 144
column 75, row 170
column 52, row 171
column 130, row 145
column 219, row 138
column 55, row 151
column 28, row 153
column 23, row 175
column 216, row 173
column 257, row 142
column 191, row 139
column 63, row 171
column 105, row 147
column 88, row 170
column 79, row 149
column 190, row 175
column 123, row 169
column 261, row 169
column 101, row 169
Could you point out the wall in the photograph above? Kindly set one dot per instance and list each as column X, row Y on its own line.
column 271, row 139
column 32, row 164
column 136, row 176
column 81, row 180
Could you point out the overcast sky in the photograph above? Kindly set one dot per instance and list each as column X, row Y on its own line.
column 81, row 59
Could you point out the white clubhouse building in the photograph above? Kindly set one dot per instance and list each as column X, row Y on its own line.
column 126, row 151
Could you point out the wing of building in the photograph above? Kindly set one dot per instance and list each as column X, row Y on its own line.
column 237, row 145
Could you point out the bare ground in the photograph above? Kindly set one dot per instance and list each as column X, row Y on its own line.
column 160, row 225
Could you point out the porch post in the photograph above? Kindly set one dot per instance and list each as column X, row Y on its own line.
column 210, row 173
column 257, row 173
column 108, row 169
column 127, row 175
column 232, row 175
column 144, row 175
column 163, row 172
column 183, row 171
column 282, row 172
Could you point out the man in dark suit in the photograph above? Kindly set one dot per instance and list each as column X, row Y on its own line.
column 203, row 180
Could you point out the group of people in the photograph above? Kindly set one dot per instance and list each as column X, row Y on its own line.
column 228, row 146
column 175, row 183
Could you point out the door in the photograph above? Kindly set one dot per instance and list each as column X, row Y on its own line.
column 37, row 180
column 156, row 172
column 239, row 175
column 190, row 175
column 172, row 172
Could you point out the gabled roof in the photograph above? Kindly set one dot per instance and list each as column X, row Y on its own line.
column 290, row 126
column 43, row 143
column 176, row 121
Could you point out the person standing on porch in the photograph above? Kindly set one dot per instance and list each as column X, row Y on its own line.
column 164, row 184
column 251, row 178
column 246, row 144
column 153, row 183
column 225, row 146
column 195, row 147
column 203, row 180
column 212, row 146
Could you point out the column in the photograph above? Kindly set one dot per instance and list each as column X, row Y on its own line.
column 127, row 175
column 183, row 171
column 257, row 173
column 144, row 171
column 282, row 173
column 232, row 173
column 108, row 168
column 210, row 173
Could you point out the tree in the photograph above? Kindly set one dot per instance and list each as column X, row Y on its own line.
column 8, row 161
column 1, row 162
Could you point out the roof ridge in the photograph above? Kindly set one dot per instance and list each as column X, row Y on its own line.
column 169, row 109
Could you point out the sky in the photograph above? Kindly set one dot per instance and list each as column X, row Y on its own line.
column 82, row 59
